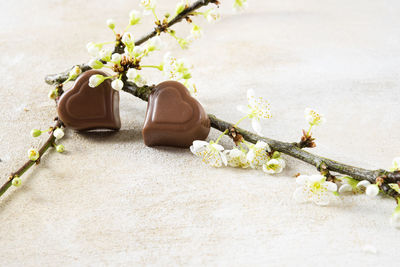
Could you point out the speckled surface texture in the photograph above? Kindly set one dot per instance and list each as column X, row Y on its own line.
column 110, row 200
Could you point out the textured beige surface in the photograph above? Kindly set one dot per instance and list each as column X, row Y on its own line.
column 109, row 200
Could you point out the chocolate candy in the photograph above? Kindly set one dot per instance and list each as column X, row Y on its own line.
column 173, row 117
column 85, row 108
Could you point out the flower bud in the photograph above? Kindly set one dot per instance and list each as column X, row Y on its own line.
column 117, row 84
column 95, row 64
column 105, row 54
column 74, row 72
column 129, row 41
column 116, row 58
column 110, row 24
column 58, row 133
column 96, row 80
column 16, row 181
column 60, row 148
column 52, row 94
column 36, row 133
column 33, row 154
column 134, row 17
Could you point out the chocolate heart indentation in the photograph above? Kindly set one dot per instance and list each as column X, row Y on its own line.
column 164, row 108
column 85, row 108
column 174, row 117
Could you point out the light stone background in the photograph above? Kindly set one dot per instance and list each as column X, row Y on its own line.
column 110, row 200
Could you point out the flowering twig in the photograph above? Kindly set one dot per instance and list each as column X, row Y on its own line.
column 186, row 13
column 291, row 149
column 15, row 175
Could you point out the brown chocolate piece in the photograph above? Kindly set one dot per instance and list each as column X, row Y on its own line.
column 85, row 108
column 173, row 117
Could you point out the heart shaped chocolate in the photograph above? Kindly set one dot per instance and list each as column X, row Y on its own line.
column 85, row 108
column 174, row 117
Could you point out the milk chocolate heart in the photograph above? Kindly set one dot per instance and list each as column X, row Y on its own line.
column 85, row 108
column 173, row 117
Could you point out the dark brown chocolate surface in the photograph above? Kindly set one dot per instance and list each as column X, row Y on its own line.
column 173, row 117
column 85, row 108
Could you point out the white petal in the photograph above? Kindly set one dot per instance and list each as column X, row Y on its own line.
column 345, row 188
column 243, row 109
column 255, row 123
column 218, row 147
column 321, row 200
column 251, row 94
column 300, row 195
column 302, row 179
column 198, row 144
column 316, row 178
column 363, row 183
column 266, row 170
column 331, row 186
column 223, row 157
column 372, row 190
column 307, row 111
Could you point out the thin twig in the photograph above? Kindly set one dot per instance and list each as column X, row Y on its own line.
column 50, row 141
column 63, row 76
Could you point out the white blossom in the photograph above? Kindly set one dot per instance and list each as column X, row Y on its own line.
column 349, row 185
column 116, row 58
column 117, row 84
column 95, row 64
column 257, row 109
column 33, row 154
column 175, row 69
column 313, row 117
column 213, row 15
column 138, row 51
column 196, row 31
column 315, row 189
column 239, row 5
column 237, row 158
column 134, row 17
column 96, row 80
column 395, row 164
column 74, row 72
column 257, row 154
column 105, row 54
column 211, row 153
column 371, row 190
column 273, row 166
column 128, row 39
column 134, row 76
column 110, row 24
column 93, row 49
column 148, row 5
column 154, row 43
column 58, row 133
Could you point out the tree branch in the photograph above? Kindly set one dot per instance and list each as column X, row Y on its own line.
column 63, row 76
column 50, row 141
column 290, row 149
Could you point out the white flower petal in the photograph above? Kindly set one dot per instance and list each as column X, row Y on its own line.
column 218, row 147
column 345, row 188
column 372, row 190
column 316, row 178
column 255, row 123
column 198, row 144
column 223, row 158
column 331, row 186
column 301, row 179
column 243, row 109
column 363, row 183
column 300, row 195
